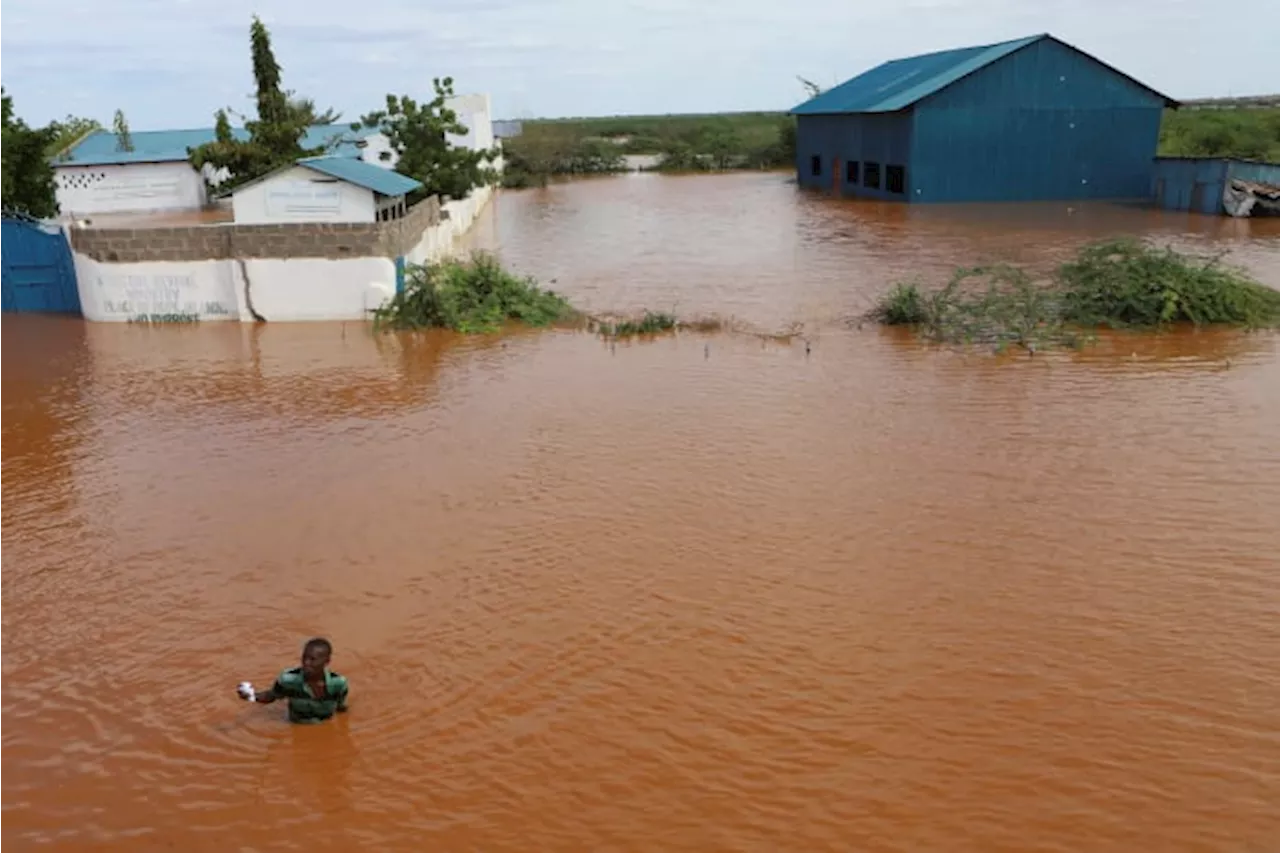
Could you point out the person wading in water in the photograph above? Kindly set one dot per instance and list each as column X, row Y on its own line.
column 314, row 691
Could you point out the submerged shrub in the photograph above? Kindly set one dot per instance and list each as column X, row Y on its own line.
column 1115, row 284
column 902, row 306
column 470, row 296
column 651, row 323
column 1125, row 284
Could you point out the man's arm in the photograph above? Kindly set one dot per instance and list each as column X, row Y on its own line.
column 266, row 697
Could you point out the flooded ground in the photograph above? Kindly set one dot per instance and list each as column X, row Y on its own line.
column 693, row 594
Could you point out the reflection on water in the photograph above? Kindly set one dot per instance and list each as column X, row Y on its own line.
column 688, row 594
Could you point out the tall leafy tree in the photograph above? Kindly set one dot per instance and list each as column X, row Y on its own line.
column 26, row 182
column 275, row 136
column 419, row 136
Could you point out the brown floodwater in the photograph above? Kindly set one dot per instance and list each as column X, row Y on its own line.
column 692, row 594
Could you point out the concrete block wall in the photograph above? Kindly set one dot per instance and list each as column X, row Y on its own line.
column 333, row 241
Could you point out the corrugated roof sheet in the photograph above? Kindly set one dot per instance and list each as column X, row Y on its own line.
column 362, row 174
column 898, row 84
column 164, row 146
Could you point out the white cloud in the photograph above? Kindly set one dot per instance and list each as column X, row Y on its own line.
column 170, row 63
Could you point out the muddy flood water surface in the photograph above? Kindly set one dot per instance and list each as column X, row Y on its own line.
column 696, row 593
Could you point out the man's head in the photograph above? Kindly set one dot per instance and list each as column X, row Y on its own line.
column 315, row 656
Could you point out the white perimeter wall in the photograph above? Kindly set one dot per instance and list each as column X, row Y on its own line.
column 128, row 188
column 302, row 195
column 280, row 290
column 442, row 240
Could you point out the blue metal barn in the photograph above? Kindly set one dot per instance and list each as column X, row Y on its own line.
column 1025, row 120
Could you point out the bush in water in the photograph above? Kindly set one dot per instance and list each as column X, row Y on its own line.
column 1113, row 284
column 472, row 295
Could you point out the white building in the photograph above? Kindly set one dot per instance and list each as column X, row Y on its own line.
column 96, row 176
column 323, row 189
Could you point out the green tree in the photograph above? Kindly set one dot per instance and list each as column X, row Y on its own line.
column 275, row 137
column 27, row 179
column 418, row 134
column 120, row 127
column 69, row 131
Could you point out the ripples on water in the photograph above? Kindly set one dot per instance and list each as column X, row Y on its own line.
column 669, row 597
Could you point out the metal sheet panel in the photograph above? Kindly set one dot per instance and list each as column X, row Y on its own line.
column 38, row 273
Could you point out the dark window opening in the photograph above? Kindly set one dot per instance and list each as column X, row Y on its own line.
column 815, row 165
column 851, row 172
column 871, row 175
column 895, row 179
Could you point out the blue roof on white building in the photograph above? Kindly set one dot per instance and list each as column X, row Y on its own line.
column 362, row 174
column 102, row 148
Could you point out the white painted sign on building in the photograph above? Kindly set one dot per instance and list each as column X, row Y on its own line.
column 292, row 199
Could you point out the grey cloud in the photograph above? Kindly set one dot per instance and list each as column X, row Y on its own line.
column 171, row 63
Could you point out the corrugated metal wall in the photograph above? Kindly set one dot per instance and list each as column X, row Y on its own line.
column 836, row 141
column 1045, row 123
column 1250, row 170
column 1189, row 183
column 1196, row 184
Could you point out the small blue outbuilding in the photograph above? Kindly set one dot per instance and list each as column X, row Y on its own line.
column 1032, row 119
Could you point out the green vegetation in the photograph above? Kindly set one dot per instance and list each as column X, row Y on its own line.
column 649, row 323
column 69, row 131
column 470, row 296
column 1246, row 133
column 418, row 136
column 683, row 142
column 477, row 296
column 27, row 185
column 1118, row 284
column 120, row 127
column 275, row 137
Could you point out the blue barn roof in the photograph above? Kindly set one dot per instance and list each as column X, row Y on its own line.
column 900, row 83
column 101, row 148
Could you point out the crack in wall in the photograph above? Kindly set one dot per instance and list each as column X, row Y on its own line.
column 248, row 297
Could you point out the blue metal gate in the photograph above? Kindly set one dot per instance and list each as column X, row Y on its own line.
column 39, row 275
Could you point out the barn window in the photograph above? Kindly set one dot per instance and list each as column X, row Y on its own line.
column 871, row 175
column 851, row 172
column 815, row 165
column 895, row 179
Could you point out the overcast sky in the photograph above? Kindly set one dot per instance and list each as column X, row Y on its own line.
column 171, row 63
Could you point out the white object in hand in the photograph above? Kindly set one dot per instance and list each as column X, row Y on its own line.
column 245, row 689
